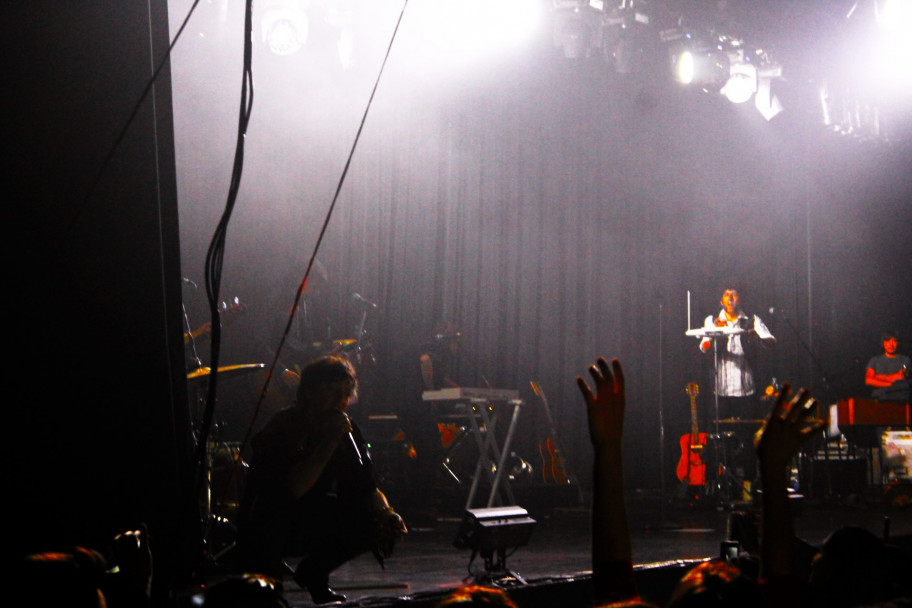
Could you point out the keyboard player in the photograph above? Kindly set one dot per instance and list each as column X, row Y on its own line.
column 430, row 363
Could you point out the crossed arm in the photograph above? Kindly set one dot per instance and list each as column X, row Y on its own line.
column 872, row 378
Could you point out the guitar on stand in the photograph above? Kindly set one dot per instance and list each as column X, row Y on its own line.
column 691, row 468
column 552, row 469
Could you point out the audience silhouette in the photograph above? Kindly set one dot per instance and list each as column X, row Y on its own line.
column 852, row 567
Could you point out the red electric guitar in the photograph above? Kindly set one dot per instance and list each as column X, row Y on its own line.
column 691, row 469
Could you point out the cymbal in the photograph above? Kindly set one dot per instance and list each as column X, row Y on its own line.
column 738, row 421
column 344, row 342
column 228, row 370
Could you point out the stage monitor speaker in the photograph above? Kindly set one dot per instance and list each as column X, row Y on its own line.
column 494, row 529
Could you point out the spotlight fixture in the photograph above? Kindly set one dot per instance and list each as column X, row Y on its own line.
column 742, row 80
column 720, row 63
column 700, row 59
column 284, row 25
column 765, row 100
column 704, row 67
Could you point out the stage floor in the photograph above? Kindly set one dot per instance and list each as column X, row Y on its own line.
column 426, row 563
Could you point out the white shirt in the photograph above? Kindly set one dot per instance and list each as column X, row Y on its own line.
column 734, row 377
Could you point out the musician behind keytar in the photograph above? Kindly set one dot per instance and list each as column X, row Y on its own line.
column 734, row 377
column 733, row 330
column 889, row 373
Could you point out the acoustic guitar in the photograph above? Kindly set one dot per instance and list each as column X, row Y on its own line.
column 553, row 470
column 691, row 468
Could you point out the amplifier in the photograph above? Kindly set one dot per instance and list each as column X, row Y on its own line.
column 896, row 456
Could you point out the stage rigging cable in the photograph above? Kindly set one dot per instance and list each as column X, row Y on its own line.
column 303, row 284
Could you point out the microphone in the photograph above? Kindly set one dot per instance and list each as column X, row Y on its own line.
column 186, row 280
column 359, row 299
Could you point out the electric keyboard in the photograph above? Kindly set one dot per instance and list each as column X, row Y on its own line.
column 713, row 331
column 467, row 393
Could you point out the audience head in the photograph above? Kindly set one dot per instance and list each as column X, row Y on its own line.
column 716, row 584
column 245, row 591
column 476, row 595
column 851, row 568
column 71, row 577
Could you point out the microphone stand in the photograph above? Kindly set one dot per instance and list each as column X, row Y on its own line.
column 723, row 479
column 825, row 377
column 661, row 426
column 196, row 358
column 663, row 523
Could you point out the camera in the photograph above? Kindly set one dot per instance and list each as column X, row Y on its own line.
column 729, row 550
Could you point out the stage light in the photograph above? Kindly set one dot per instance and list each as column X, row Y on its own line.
column 894, row 14
column 576, row 27
column 741, row 83
column 686, row 67
column 698, row 59
column 765, row 100
column 703, row 67
column 284, row 26
column 491, row 533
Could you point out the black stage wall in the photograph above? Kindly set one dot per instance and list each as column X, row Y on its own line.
column 98, row 432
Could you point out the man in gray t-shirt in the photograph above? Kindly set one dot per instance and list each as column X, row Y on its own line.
column 889, row 373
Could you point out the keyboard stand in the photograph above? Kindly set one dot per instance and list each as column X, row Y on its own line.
column 474, row 402
column 489, row 452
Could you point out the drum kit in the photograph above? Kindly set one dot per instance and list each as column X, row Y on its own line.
column 224, row 468
column 725, row 448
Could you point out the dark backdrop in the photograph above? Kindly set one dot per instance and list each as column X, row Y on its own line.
column 551, row 209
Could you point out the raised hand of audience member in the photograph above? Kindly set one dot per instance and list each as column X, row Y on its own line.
column 612, row 565
column 131, row 582
column 605, row 407
column 789, row 425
